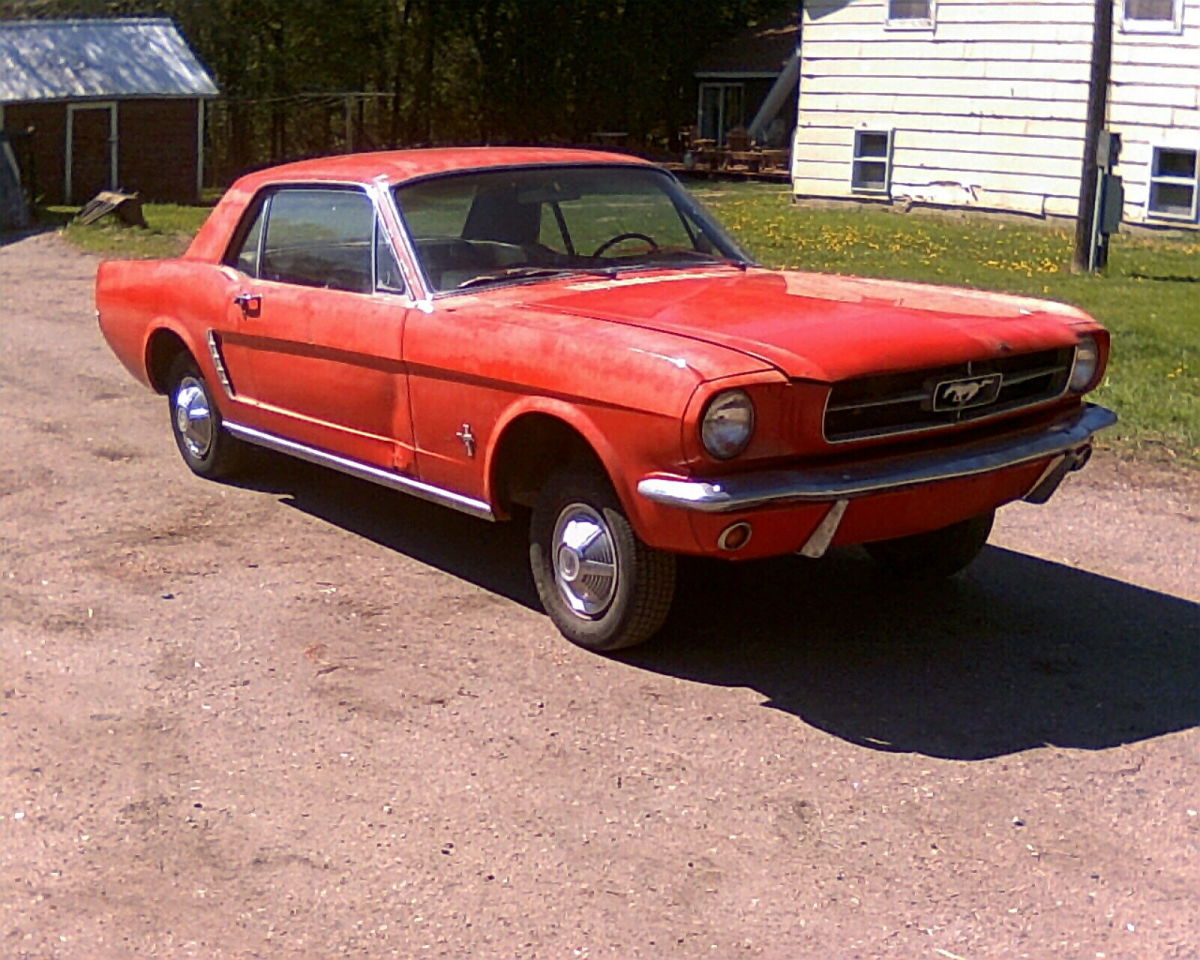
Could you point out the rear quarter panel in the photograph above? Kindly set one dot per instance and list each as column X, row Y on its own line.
column 136, row 299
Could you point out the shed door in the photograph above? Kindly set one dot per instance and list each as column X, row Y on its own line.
column 90, row 153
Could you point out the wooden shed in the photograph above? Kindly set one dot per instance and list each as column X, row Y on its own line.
column 103, row 104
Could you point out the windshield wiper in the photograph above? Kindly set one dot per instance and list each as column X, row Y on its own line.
column 693, row 258
column 529, row 273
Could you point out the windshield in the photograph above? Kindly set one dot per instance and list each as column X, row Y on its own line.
column 475, row 229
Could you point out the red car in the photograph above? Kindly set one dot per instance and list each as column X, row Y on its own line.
column 569, row 336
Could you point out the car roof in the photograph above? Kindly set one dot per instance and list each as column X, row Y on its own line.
column 397, row 166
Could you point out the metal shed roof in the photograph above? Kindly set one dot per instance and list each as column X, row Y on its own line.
column 82, row 59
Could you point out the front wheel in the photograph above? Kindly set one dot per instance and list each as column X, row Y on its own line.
column 207, row 449
column 938, row 553
column 603, row 588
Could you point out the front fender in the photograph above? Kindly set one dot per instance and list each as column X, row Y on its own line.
column 598, row 425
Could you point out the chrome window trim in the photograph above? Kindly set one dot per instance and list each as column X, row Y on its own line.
column 378, row 193
column 398, row 236
column 1070, row 431
column 363, row 471
column 691, row 206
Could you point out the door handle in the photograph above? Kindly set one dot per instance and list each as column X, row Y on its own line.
column 251, row 303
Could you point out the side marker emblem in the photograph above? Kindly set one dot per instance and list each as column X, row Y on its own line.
column 468, row 439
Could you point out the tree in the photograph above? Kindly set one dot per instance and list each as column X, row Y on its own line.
column 437, row 71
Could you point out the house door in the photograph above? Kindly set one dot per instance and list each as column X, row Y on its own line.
column 721, row 109
column 91, row 150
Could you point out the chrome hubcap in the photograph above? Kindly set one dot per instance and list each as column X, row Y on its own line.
column 193, row 418
column 585, row 561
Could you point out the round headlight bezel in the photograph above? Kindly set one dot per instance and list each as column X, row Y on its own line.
column 1086, row 365
column 727, row 425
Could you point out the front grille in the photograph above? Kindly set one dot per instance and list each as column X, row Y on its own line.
column 927, row 399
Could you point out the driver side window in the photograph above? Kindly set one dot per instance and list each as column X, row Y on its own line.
column 317, row 237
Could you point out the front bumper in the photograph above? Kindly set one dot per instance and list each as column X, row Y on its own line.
column 1070, row 433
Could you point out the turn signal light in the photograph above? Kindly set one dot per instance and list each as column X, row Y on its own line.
column 734, row 537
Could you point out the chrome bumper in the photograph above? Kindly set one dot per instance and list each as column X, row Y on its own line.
column 1067, row 434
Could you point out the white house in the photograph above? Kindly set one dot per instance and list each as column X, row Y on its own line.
column 982, row 103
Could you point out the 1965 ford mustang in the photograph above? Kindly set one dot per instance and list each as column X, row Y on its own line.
column 569, row 332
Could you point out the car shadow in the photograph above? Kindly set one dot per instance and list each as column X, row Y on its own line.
column 1018, row 653
column 491, row 555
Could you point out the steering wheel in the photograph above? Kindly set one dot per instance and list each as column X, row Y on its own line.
column 621, row 237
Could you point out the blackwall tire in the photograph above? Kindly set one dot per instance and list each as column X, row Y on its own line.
column 603, row 588
column 205, row 445
column 936, row 554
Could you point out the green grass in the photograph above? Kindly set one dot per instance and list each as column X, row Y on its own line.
column 171, row 228
column 1149, row 298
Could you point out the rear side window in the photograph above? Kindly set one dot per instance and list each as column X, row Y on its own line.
column 319, row 238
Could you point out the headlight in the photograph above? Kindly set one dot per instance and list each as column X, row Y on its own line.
column 728, row 424
column 1087, row 358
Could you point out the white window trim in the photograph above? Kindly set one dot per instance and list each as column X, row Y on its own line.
column 1193, row 182
column 886, row 190
column 1174, row 25
column 200, row 105
column 72, row 108
column 910, row 23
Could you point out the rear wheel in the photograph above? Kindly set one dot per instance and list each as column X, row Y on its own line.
column 936, row 554
column 207, row 449
column 603, row 588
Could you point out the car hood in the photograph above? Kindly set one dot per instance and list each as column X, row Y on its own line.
column 821, row 326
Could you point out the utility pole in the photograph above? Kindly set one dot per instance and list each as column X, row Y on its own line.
column 1096, row 110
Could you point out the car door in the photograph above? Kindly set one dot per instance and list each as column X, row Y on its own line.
column 321, row 305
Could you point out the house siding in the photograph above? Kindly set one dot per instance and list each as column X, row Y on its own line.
column 988, row 108
column 1154, row 101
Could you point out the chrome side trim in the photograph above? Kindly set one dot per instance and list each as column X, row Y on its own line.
column 214, row 351
column 816, row 545
column 1069, row 432
column 363, row 471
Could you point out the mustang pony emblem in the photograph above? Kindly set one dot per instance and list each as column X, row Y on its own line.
column 961, row 394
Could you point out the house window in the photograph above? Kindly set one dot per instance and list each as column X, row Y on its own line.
column 910, row 14
column 872, row 169
column 1173, row 184
column 1152, row 16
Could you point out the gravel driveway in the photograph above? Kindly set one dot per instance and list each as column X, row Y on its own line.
column 302, row 717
